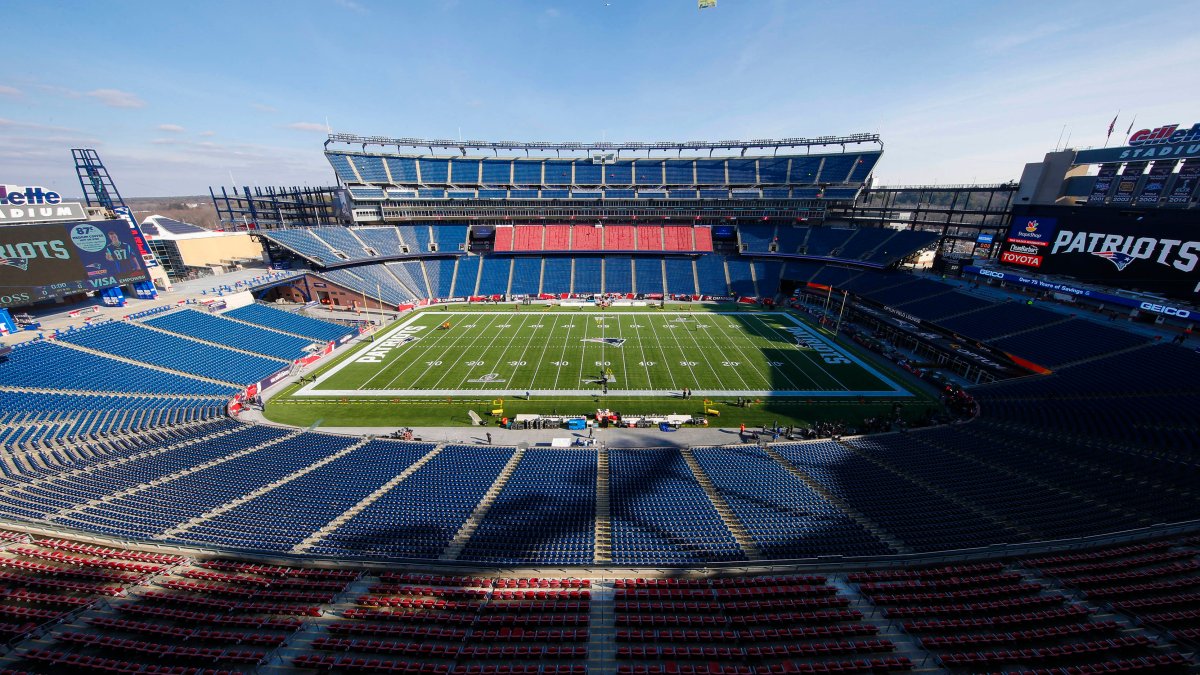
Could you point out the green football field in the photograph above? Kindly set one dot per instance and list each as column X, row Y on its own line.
column 573, row 352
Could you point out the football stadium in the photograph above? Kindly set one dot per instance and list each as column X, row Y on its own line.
column 711, row 407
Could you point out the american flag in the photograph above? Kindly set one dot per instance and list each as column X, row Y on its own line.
column 1112, row 125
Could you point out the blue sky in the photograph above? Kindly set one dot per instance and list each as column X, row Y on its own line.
column 178, row 96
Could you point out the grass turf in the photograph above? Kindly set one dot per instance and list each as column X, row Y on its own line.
column 738, row 352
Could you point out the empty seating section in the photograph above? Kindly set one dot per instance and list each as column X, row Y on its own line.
column 556, row 237
column 385, row 241
column 789, row 238
column 527, row 274
column 1026, row 500
column 983, row 617
column 497, row 172
column 450, row 238
column 43, row 418
column 411, row 276
column 1156, row 583
column 943, row 305
column 373, row 281
column 1074, row 340
column 341, row 239
column 402, row 169
column 618, row 275
column 44, row 365
column 41, row 494
column 1001, row 319
column 440, row 273
column 341, row 165
column 505, row 238
column 829, row 275
column 681, row 276
column 866, row 242
column 785, row 517
column 152, row 510
column 466, row 276
column 546, row 513
column 421, row 515
column 740, row 281
column 907, row 289
column 901, row 244
column 649, row 274
column 825, row 242
column 619, row 238
column 643, row 532
column 556, row 276
column 757, row 238
column 606, row 238
column 587, row 238
column 212, row 328
column 303, row 241
column 417, row 237
column 493, row 274
column 272, row 521
column 530, row 237
column 649, row 237
column 587, row 275
column 176, row 353
column 76, row 607
column 744, row 625
column 836, row 168
column 710, row 275
column 922, row 519
column 768, row 274
column 289, row 322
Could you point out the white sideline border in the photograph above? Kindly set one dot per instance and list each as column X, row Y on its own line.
column 310, row 390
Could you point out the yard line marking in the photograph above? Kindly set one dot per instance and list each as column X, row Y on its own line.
column 542, row 358
column 791, row 339
column 500, row 356
column 768, row 375
column 452, row 343
column 463, row 350
column 394, row 356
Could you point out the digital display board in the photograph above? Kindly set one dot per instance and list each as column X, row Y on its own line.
column 1138, row 249
column 47, row 261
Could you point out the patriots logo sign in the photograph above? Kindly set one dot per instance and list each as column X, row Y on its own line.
column 1121, row 260
column 19, row 263
column 612, row 342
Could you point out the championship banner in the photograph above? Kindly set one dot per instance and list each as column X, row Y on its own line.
column 1185, row 182
column 1104, row 181
column 1128, row 182
column 1156, row 180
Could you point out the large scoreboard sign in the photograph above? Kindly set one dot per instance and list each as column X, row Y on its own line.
column 1144, row 249
column 47, row 261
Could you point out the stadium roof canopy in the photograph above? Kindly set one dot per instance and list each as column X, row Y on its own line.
column 852, row 139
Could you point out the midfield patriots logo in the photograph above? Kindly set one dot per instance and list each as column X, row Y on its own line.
column 1121, row 260
column 612, row 342
column 19, row 263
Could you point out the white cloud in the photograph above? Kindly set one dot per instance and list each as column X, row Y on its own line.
column 60, row 91
column 12, row 92
column 115, row 98
column 308, row 126
column 351, row 5
column 206, row 134
column 34, row 126
column 263, row 107
column 172, row 128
